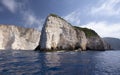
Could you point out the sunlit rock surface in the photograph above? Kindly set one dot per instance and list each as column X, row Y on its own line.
column 58, row 34
column 18, row 38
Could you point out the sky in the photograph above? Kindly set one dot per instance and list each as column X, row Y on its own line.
column 100, row 15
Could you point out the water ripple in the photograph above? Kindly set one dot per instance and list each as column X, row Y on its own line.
column 59, row 63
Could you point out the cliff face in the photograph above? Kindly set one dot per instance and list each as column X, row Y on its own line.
column 58, row 34
column 18, row 38
column 94, row 41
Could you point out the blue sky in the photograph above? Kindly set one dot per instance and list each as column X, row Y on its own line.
column 100, row 15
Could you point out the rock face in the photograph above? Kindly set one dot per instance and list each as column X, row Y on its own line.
column 94, row 41
column 58, row 34
column 18, row 38
column 114, row 42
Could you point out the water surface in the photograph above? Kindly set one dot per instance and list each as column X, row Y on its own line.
column 59, row 63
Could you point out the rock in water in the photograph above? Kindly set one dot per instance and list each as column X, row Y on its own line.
column 18, row 38
column 58, row 34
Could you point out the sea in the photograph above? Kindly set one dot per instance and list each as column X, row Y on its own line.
column 17, row 62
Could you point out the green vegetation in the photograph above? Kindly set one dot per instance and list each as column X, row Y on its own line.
column 88, row 32
column 54, row 15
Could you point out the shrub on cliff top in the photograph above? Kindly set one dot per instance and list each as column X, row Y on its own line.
column 88, row 32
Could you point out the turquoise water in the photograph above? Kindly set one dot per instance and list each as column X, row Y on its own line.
column 59, row 63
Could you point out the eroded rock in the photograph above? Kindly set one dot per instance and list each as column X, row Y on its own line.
column 58, row 34
column 18, row 38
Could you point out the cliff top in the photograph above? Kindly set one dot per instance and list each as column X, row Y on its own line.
column 88, row 32
column 16, row 26
column 54, row 15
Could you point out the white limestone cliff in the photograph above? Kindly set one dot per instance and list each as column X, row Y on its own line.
column 18, row 38
column 59, row 34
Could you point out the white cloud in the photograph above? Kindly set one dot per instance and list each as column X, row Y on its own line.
column 73, row 17
column 11, row 5
column 104, row 29
column 32, row 21
column 107, row 7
